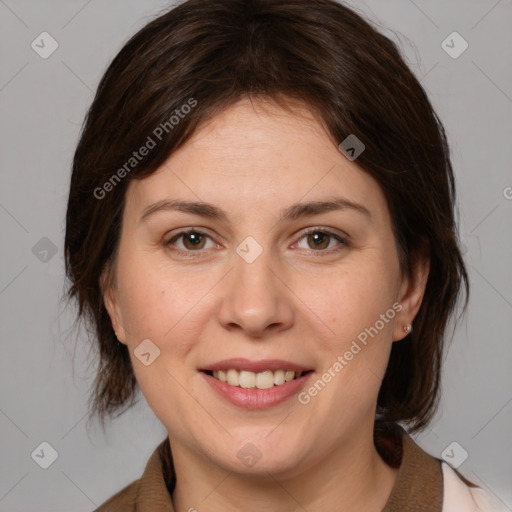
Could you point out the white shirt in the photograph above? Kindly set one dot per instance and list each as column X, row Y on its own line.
column 458, row 497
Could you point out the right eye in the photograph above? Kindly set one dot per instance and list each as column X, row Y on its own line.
column 190, row 240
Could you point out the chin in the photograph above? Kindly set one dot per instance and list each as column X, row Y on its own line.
column 259, row 456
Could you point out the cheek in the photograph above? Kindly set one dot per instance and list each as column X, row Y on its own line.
column 150, row 299
column 167, row 306
column 168, row 311
column 361, row 306
column 353, row 299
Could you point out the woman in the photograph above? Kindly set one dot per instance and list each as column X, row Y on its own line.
column 260, row 228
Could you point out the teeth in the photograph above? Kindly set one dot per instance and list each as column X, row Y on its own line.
column 279, row 377
column 265, row 380
column 233, row 378
column 247, row 380
column 251, row 380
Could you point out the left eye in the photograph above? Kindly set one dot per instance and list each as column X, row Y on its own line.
column 320, row 240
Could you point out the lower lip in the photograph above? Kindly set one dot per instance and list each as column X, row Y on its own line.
column 257, row 398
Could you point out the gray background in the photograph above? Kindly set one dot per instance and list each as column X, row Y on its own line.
column 42, row 105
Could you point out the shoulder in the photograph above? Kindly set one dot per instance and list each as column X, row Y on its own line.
column 460, row 497
column 150, row 491
column 124, row 500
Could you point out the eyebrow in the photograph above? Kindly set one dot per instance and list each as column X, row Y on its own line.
column 293, row 212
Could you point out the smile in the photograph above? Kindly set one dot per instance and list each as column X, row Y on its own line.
column 251, row 380
column 256, row 384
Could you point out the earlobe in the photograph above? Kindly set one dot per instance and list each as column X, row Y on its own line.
column 410, row 297
column 110, row 301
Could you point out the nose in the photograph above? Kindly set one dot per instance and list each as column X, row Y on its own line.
column 255, row 298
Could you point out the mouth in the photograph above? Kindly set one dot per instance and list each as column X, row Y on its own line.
column 256, row 385
column 251, row 380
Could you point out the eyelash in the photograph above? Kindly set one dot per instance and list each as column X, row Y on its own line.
column 194, row 254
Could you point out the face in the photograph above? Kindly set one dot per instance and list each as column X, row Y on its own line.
column 259, row 265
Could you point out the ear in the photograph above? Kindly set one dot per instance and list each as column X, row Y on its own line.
column 410, row 295
column 109, row 291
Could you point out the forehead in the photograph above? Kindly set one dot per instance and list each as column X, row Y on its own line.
column 255, row 154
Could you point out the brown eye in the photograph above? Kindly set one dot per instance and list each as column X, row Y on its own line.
column 192, row 241
column 321, row 240
column 318, row 240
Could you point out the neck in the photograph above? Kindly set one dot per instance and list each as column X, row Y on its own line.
column 352, row 477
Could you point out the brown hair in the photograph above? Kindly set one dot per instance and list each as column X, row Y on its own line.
column 211, row 53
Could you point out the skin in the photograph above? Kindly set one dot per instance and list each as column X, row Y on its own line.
column 295, row 302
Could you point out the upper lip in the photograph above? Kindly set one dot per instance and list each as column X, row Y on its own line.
column 255, row 366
